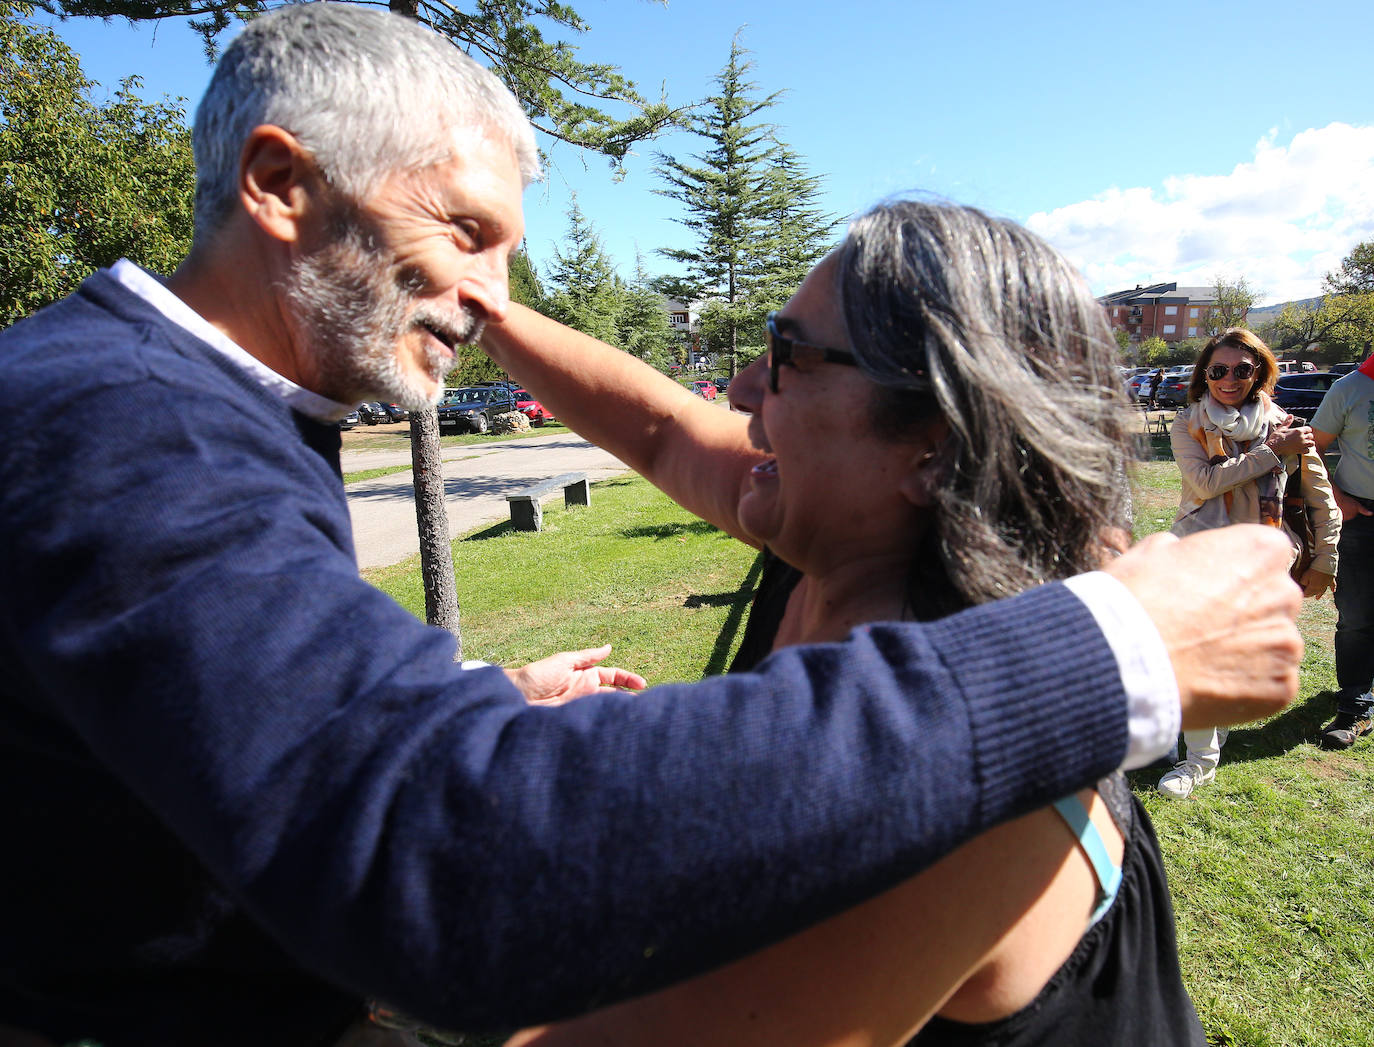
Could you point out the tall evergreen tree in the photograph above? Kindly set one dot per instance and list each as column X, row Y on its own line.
column 798, row 233
column 643, row 329
column 585, row 292
column 725, row 196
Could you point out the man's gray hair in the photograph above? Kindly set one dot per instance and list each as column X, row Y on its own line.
column 977, row 320
column 367, row 92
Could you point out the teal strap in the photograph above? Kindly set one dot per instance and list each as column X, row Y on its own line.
column 1108, row 873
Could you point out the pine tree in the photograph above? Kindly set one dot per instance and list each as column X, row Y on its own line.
column 643, row 329
column 586, row 294
column 726, row 198
column 798, row 233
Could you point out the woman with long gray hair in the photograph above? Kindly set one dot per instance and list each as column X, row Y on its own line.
column 936, row 422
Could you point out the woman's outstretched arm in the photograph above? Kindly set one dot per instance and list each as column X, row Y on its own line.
column 874, row 974
column 698, row 453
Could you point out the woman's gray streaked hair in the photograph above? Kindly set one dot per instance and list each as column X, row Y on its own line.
column 367, row 92
column 953, row 312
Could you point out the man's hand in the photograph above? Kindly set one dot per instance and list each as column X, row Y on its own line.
column 1315, row 582
column 1226, row 609
column 1348, row 506
column 562, row 677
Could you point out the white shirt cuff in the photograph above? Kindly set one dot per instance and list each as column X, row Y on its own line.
column 1153, row 714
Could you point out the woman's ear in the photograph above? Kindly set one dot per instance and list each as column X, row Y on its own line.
column 278, row 182
column 925, row 473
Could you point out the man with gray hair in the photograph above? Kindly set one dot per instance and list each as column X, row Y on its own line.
column 248, row 792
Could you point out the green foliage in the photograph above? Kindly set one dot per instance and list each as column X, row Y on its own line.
column 1154, row 352
column 726, row 199
column 565, row 98
column 642, row 328
column 81, row 183
column 525, row 287
column 1235, row 298
column 585, row 292
column 1355, row 274
column 752, row 207
column 1340, row 325
column 1123, row 344
column 796, row 232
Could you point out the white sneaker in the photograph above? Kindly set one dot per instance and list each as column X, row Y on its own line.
column 1183, row 779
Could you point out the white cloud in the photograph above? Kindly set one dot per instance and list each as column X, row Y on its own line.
column 1282, row 220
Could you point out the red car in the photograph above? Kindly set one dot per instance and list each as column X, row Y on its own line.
column 706, row 390
column 531, row 408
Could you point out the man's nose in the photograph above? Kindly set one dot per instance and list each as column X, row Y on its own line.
column 486, row 291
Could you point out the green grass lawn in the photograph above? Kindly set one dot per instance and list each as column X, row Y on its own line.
column 1271, row 867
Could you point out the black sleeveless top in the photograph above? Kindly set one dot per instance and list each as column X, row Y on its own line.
column 1121, row 986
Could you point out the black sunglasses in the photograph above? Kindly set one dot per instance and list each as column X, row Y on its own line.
column 784, row 350
column 1242, row 371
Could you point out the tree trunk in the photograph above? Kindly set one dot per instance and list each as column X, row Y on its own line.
column 436, row 550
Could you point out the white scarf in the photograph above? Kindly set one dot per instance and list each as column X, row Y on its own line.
column 1244, row 424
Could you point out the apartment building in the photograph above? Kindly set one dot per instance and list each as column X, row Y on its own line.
column 1164, row 311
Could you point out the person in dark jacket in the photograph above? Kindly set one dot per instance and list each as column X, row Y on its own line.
column 1152, row 389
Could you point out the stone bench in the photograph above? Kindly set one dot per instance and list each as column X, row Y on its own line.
column 526, row 514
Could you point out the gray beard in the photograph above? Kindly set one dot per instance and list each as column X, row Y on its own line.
column 352, row 312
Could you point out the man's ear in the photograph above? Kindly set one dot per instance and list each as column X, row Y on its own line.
column 925, row 472
column 278, row 182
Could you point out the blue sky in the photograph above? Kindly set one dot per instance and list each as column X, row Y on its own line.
column 1179, row 142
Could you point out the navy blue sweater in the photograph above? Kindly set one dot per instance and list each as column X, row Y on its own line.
column 244, row 789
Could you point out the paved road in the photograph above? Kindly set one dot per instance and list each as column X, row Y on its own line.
column 476, row 481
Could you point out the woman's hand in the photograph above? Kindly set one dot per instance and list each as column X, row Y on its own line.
column 1314, row 583
column 1347, row 505
column 560, row 678
column 1286, row 439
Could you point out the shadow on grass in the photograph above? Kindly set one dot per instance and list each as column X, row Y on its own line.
column 494, row 531
column 739, row 602
column 1153, row 447
column 1298, row 724
column 659, row 532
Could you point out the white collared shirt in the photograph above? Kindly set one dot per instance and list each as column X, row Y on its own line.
column 152, row 291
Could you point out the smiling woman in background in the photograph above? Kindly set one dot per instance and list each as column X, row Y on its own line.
column 1240, row 456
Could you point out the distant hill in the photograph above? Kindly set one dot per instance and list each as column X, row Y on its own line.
column 1255, row 317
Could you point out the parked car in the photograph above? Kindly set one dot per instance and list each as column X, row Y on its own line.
column 396, row 413
column 1136, row 386
column 706, row 389
column 349, row 420
column 531, row 408
column 1301, row 393
column 1173, row 391
column 372, row 413
column 473, row 408
column 1340, row 369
